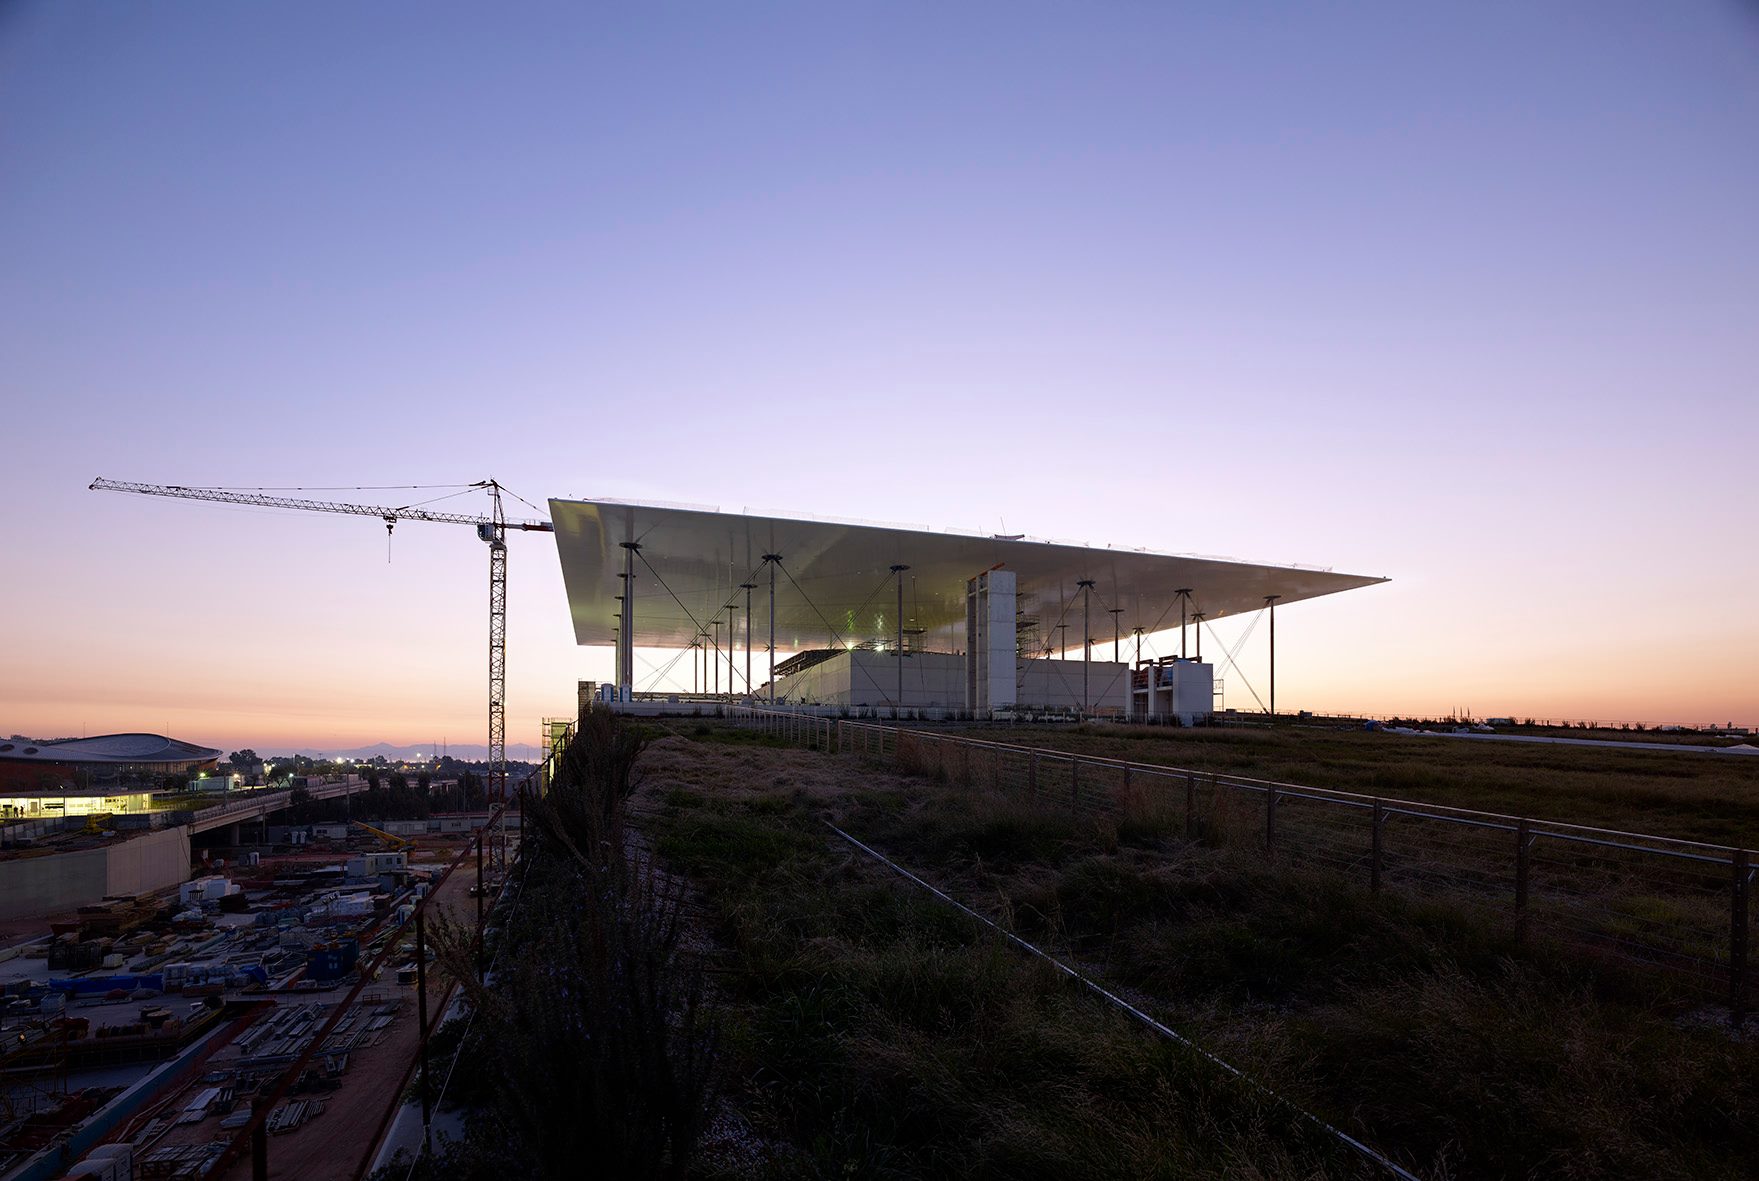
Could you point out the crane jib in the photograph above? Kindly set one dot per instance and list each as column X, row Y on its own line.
column 492, row 529
column 258, row 500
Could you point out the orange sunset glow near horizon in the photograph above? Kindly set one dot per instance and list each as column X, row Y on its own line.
column 1303, row 290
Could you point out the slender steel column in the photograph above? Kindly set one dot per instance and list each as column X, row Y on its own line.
column 771, row 560
column 1116, row 651
column 898, row 702
column 1086, row 585
column 732, row 645
column 748, row 587
column 1148, row 704
column 1199, row 618
column 1271, row 601
column 1184, row 594
column 715, row 639
column 626, row 675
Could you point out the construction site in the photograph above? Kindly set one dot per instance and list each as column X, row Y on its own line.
column 277, row 995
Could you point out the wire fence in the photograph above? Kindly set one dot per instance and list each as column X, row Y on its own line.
column 1681, row 906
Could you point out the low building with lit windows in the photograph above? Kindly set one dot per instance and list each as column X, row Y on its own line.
column 107, row 773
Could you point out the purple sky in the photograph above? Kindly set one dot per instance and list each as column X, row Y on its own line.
column 1465, row 297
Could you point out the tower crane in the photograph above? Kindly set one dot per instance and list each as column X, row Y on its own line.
column 491, row 529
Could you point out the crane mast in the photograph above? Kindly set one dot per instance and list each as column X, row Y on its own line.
column 496, row 536
column 491, row 529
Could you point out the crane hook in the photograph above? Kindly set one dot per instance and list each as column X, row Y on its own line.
column 390, row 524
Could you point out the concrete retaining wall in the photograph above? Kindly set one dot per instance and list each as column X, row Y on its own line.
column 147, row 863
column 53, row 883
column 56, row 883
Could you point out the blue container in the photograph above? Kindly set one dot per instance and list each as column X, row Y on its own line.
column 331, row 961
column 86, row 985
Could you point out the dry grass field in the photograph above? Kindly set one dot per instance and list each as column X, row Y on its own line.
column 872, row 1031
column 1682, row 794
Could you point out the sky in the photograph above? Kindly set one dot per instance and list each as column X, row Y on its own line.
column 1459, row 295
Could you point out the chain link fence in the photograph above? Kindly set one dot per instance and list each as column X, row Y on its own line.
column 1681, row 906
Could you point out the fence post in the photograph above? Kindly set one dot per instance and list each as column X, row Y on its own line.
column 482, row 967
column 1270, row 818
column 1737, row 943
column 1191, row 806
column 1523, row 867
column 259, row 1143
column 1374, row 861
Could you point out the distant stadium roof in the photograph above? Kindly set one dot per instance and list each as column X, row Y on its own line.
column 108, row 748
column 835, row 582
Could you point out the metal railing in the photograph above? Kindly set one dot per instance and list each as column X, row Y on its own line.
column 1682, row 906
column 261, row 803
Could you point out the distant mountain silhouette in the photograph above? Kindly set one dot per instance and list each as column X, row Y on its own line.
column 468, row 751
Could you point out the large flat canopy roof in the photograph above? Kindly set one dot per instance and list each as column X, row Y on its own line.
column 835, row 584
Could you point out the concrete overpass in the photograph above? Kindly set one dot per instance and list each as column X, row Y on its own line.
column 262, row 803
